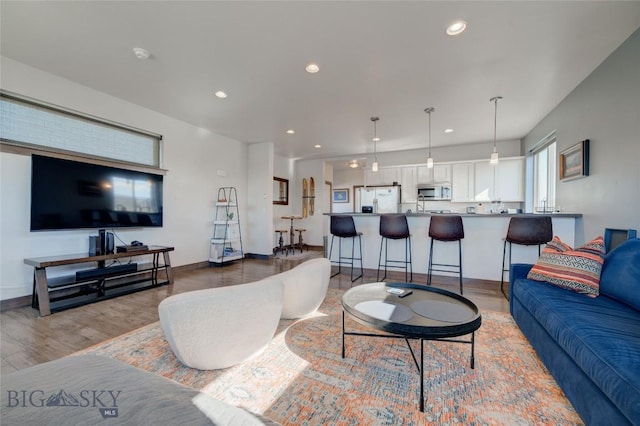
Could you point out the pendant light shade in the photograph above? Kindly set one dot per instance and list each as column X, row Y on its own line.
column 430, row 158
column 374, row 165
column 494, row 154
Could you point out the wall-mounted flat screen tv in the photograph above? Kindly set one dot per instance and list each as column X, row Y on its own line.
column 69, row 194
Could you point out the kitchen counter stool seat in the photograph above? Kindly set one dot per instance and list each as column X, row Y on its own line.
column 344, row 227
column 526, row 231
column 395, row 227
column 446, row 229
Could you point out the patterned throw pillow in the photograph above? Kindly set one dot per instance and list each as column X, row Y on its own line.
column 577, row 270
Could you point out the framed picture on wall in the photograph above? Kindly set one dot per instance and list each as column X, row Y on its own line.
column 341, row 195
column 574, row 161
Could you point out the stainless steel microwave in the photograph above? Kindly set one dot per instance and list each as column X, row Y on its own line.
column 434, row 192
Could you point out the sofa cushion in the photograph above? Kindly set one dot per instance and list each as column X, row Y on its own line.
column 601, row 335
column 577, row 270
column 620, row 278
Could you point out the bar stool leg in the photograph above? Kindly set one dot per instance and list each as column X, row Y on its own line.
column 380, row 260
column 430, row 267
column 339, row 254
column 353, row 258
column 460, row 262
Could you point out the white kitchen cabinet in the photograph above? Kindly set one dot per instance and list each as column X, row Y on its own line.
column 484, row 181
column 438, row 174
column 408, row 180
column 503, row 181
column 462, row 182
column 384, row 176
column 442, row 172
column 509, row 180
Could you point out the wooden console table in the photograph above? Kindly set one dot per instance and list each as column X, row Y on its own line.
column 74, row 291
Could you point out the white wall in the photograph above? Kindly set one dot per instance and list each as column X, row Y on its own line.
column 346, row 179
column 191, row 154
column 313, row 224
column 259, row 225
column 282, row 168
column 604, row 108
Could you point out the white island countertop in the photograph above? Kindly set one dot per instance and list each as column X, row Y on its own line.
column 482, row 245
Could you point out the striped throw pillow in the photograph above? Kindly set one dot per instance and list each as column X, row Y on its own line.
column 575, row 269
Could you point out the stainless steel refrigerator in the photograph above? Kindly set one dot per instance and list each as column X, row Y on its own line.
column 383, row 199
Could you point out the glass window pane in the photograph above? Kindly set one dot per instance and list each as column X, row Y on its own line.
column 27, row 123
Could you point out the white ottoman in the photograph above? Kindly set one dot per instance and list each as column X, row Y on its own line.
column 305, row 287
column 220, row 327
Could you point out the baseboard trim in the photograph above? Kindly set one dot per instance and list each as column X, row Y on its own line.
column 15, row 303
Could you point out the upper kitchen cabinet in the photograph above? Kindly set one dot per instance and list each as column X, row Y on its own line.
column 484, row 181
column 503, row 181
column 462, row 182
column 509, row 180
column 409, row 182
column 439, row 173
column 384, row 176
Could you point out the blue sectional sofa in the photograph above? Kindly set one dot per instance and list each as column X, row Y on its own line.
column 591, row 346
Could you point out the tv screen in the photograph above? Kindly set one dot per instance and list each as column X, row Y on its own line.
column 69, row 194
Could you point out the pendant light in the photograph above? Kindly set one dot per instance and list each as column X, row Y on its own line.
column 374, row 165
column 430, row 158
column 494, row 154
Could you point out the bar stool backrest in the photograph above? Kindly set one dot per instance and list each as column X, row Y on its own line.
column 530, row 231
column 343, row 226
column 446, row 228
column 394, row 226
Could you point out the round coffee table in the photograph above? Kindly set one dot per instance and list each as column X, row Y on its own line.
column 423, row 313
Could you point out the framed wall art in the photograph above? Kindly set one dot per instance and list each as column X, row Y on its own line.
column 574, row 161
column 341, row 195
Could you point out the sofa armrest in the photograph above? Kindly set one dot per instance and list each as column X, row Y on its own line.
column 517, row 271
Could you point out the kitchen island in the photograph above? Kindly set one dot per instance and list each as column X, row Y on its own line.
column 481, row 247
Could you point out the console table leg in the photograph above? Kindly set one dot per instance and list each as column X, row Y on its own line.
column 40, row 276
column 167, row 264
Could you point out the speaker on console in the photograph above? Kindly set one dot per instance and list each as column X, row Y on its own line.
column 95, row 247
column 109, row 244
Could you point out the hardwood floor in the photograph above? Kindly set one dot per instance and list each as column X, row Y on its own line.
column 27, row 339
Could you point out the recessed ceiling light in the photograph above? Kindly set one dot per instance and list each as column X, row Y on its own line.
column 456, row 27
column 448, row 130
column 220, row 94
column 354, row 164
column 317, row 146
column 312, row 68
column 291, row 132
column 141, row 53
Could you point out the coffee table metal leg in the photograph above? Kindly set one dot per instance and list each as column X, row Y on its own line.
column 422, row 375
column 342, row 334
column 473, row 358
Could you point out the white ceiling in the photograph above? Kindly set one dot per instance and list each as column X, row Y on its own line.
column 390, row 59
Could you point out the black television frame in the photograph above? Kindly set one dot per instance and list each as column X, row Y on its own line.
column 69, row 194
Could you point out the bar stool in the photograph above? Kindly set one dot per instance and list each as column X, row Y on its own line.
column 446, row 228
column 526, row 231
column 394, row 227
column 344, row 227
column 281, row 246
column 300, row 243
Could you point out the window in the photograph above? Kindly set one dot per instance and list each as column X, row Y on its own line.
column 544, row 174
column 31, row 124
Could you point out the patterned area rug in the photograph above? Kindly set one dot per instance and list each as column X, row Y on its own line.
column 301, row 379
